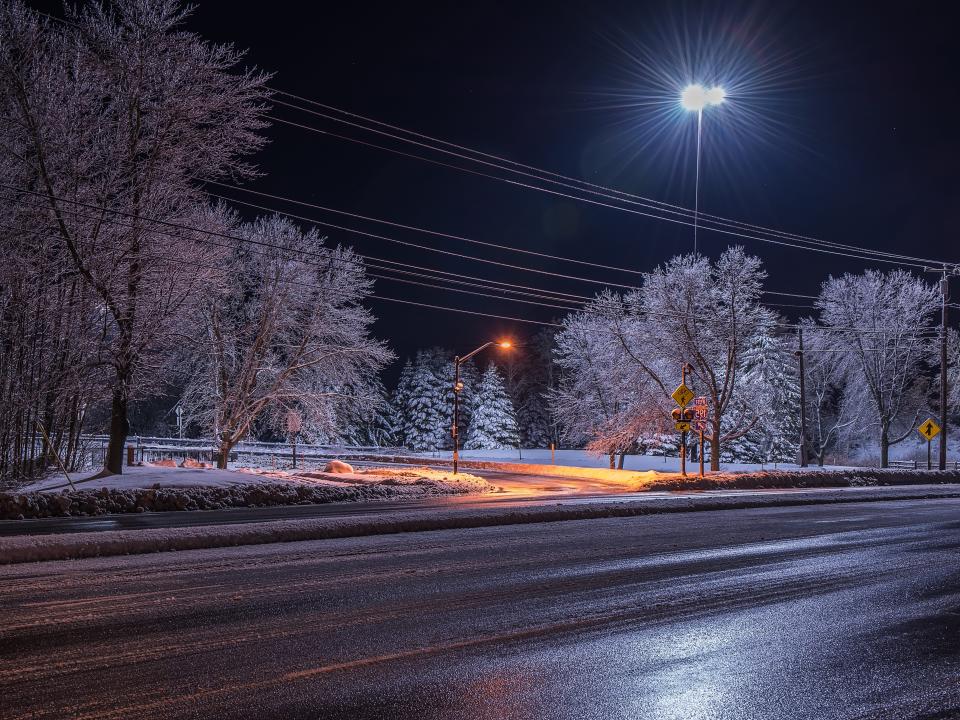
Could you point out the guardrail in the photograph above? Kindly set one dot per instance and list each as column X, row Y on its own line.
column 918, row 465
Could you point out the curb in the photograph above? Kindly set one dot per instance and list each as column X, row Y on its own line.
column 71, row 546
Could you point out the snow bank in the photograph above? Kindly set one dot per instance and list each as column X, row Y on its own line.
column 179, row 490
column 850, row 477
column 31, row 548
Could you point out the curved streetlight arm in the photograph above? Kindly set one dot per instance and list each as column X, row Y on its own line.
column 460, row 360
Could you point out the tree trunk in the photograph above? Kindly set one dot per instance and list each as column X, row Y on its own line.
column 224, row 455
column 884, row 448
column 119, row 427
column 620, row 461
column 715, row 451
column 613, row 461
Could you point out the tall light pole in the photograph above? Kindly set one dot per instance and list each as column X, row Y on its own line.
column 458, row 387
column 695, row 98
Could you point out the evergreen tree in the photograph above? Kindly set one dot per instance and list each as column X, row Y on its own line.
column 493, row 423
column 770, row 369
column 423, row 401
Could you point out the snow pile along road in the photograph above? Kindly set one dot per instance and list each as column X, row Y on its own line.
column 166, row 489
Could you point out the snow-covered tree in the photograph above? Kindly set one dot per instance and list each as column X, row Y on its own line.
column 110, row 123
column 769, row 368
column 830, row 415
column 288, row 332
column 424, row 401
column 882, row 322
column 601, row 398
column 493, row 422
column 692, row 311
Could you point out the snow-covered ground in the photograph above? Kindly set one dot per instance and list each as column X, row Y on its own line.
column 582, row 458
column 150, row 476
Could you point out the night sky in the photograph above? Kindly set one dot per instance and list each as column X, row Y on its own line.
column 852, row 138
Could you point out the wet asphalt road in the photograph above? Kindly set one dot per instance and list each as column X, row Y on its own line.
column 826, row 611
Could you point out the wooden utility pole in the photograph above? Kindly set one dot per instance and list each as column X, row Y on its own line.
column 803, row 459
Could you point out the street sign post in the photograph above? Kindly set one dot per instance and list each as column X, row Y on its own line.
column 700, row 412
column 681, row 416
column 294, row 425
column 929, row 430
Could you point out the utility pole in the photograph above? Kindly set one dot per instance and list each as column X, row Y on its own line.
column 946, row 273
column 455, row 429
column 803, row 401
column 944, row 296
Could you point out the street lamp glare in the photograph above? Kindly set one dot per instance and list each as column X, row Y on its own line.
column 505, row 344
column 696, row 97
column 716, row 95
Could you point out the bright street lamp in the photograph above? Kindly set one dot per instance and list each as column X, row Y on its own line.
column 458, row 387
column 695, row 98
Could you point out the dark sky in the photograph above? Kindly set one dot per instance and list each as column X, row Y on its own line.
column 853, row 136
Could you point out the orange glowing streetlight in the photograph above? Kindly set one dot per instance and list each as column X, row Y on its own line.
column 458, row 387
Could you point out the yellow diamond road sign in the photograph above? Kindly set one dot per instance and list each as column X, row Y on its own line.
column 682, row 426
column 929, row 429
column 682, row 395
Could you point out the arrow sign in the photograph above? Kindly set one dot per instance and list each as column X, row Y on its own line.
column 682, row 426
column 682, row 395
column 929, row 429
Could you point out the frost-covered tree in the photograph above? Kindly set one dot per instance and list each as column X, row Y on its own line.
column 953, row 370
column 882, row 321
column 601, row 399
column 769, row 368
column 692, row 311
column 424, row 402
column 288, row 332
column 830, row 414
column 110, row 123
column 493, row 422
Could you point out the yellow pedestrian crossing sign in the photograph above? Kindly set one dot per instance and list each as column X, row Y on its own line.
column 929, row 429
column 682, row 395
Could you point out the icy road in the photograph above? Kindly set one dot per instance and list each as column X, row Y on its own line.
column 848, row 611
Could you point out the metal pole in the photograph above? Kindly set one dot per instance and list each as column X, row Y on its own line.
column 945, row 294
column 456, row 413
column 929, row 463
column 683, row 453
column 696, row 188
column 803, row 403
column 701, row 452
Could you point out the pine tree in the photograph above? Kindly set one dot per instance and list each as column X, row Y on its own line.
column 424, row 401
column 770, row 370
column 493, row 424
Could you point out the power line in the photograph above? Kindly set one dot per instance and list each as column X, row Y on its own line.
column 432, row 232
column 587, row 186
column 595, row 202
column 419, row 229
column 865, row 254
